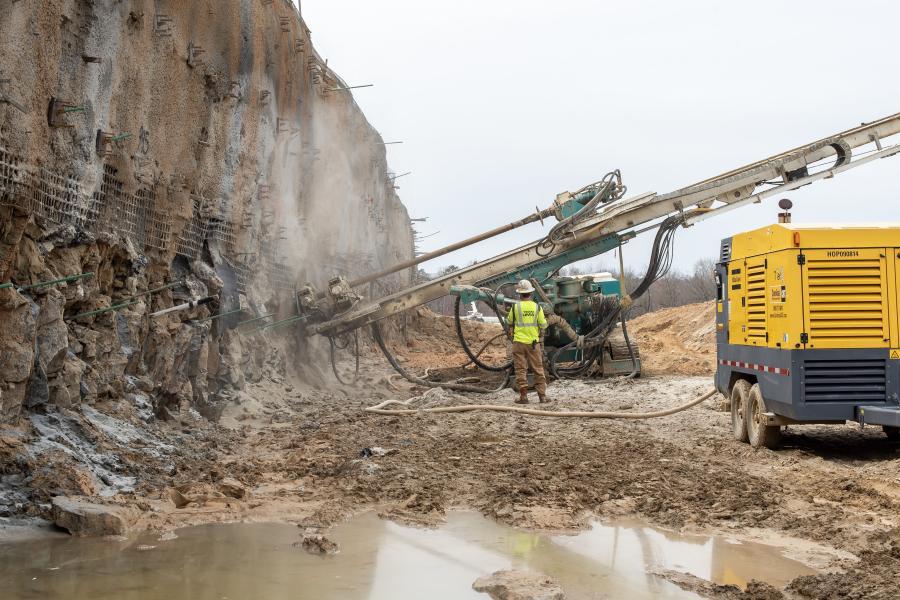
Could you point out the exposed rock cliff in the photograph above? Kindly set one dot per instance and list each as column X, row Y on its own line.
column 203, row 144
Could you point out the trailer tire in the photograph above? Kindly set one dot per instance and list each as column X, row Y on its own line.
column 738, row 400
column 892, row 433
column 760, row 434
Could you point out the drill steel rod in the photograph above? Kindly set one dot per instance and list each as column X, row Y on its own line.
column 100, row 311
column 283, row 322
column 68, row 279
column 223, row 314
column 184, row 306
column 255, row 319
column 538, row 216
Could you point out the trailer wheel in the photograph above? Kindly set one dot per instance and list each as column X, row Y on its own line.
column 738, row 400
column 892, row 433
column 760, row 434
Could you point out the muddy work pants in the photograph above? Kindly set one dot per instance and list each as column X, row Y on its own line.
column 527, row 356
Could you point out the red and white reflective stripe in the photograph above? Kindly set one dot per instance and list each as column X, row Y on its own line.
column 755, row 367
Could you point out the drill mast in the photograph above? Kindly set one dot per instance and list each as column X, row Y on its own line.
column 618, row 220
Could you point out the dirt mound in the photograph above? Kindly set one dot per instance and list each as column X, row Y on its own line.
column 432, row 341
column 677, row 341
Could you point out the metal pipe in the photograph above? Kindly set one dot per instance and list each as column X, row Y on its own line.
column 68, row 279
column 100, row 311
column 5, row 286
column 224, row 314
column 255, row 320
column 187, row 305
column 276, row 324
column 537, row 216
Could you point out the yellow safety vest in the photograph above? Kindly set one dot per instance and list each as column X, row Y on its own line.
column 528, row 319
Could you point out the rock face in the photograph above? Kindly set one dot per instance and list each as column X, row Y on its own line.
column 81, row 517
column 201, row 147
column 518, row 585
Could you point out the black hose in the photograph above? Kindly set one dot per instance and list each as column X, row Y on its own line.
column 634, row 365
column 606, row 190
column 473, row 358
column 459, row 387
column 334, row 369
column 485, row 346
column 660, row 264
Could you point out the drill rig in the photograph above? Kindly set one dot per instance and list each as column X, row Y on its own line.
column 598, row 218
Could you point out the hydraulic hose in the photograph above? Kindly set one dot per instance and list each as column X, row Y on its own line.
column 459, row 387
column 608, row 189
column 557, row 320
column 660, row 263
column 634, row 365
column 379, row 409
column 334, row 345
column 473, row 358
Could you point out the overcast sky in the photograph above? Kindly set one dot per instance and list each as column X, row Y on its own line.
column 501, row 104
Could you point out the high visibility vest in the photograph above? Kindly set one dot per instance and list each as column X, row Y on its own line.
column 528, row 319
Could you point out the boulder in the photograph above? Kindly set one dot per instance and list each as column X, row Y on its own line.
column 83, row 518
column 317, row 544
column 518, row 585
column 232, row 488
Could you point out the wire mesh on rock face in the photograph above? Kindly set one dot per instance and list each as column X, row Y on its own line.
column 58, row 199
column 143, row 217
column 10, row 178
column 190, row 242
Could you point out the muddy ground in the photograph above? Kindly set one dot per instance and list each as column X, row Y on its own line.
column 830, row 496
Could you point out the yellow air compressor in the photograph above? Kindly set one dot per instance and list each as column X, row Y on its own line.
column 808, row 327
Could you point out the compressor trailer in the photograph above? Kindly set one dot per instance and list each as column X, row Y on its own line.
column 808, row 328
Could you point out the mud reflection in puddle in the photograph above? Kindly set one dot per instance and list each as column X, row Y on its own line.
column 378, row 559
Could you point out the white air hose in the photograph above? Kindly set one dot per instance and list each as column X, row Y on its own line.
column 379, row 409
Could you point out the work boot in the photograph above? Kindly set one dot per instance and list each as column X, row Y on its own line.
column 543, row 399
column 523, row 396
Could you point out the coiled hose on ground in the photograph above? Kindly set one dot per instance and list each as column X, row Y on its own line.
column 459, row 387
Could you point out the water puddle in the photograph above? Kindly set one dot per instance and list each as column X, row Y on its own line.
column 377, row 560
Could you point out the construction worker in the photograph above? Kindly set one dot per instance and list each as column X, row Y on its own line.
column 527, row 322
